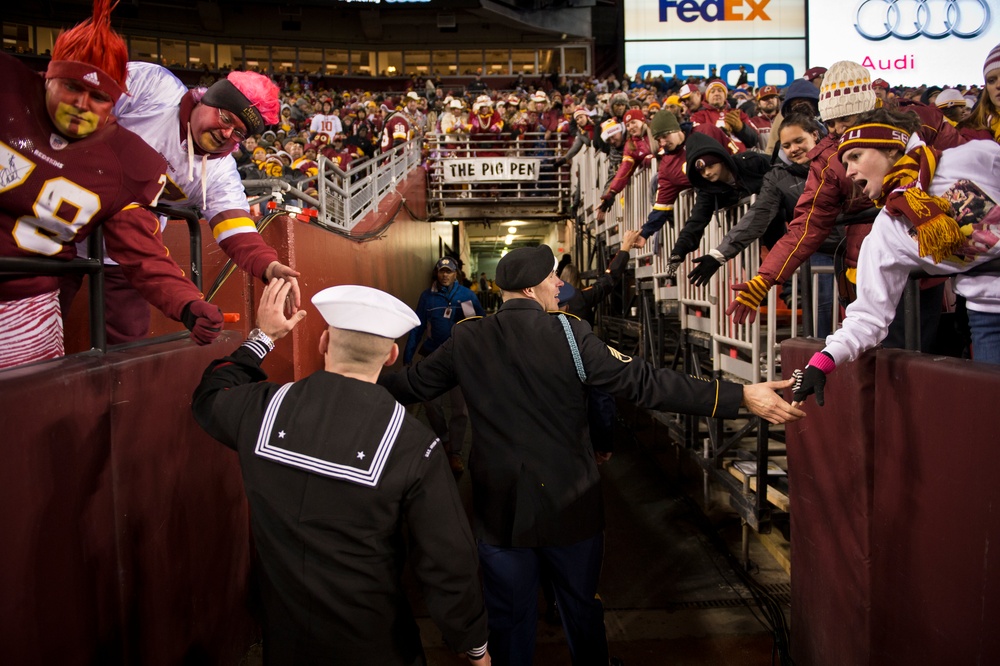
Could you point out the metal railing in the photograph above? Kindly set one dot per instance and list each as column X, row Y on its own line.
column 484, row 170
column 341, row 198
column 94, row 267
column 708, row 342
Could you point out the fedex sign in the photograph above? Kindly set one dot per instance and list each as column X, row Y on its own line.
column 689, row 11
column 665, row 20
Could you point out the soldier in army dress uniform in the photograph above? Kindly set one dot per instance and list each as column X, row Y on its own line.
column 536, row 489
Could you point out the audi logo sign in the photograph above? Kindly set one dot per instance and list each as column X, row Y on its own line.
column 906, row 42
column 876, row 20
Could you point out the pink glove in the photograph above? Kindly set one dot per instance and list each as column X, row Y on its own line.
column 203, row 319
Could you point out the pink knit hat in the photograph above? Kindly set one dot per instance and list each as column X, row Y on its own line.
column 992, row 61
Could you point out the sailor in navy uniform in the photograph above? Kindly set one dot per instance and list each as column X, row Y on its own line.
column 536, row 489
column 334, row 468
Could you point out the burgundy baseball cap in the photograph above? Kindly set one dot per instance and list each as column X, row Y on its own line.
column 814, row 72
column 634, row 114
column 767, row 91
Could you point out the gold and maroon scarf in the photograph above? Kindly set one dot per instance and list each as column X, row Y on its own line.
column 904, row 194
column 905, row 188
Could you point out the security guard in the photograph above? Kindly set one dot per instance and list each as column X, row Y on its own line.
column 536, row 490
column 333, row 467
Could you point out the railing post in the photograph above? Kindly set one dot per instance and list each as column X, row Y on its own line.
column 98, row 335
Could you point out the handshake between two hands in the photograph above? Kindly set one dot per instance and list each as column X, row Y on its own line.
column 812, row 380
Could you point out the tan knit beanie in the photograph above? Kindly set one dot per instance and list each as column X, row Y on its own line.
column 846, row 90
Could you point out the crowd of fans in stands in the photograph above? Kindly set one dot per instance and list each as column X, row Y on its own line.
column 345, row 126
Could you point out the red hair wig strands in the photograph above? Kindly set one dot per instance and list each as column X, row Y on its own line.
column 95, row 43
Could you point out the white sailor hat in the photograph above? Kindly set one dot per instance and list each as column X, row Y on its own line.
column 352, row 307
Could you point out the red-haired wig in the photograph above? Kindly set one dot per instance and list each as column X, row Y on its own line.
column 95, row 44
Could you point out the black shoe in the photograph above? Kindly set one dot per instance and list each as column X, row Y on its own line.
column 615, row 661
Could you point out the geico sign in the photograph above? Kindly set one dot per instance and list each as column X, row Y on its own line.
column 715, row 10
column 764, row 73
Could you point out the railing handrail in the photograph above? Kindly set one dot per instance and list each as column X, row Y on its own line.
column 93, row 266
column 479, row 183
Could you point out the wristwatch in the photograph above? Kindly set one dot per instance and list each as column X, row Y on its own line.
column 258, row 335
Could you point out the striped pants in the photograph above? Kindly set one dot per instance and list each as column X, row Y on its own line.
column 31, row 329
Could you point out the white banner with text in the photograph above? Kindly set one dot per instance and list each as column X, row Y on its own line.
column 489, row 169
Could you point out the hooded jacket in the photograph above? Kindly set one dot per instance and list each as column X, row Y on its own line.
column 799, row 89
column 748, row 170
column 773, row 208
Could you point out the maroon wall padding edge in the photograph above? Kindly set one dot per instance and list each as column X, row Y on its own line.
column 894, row 508
column 936, row 518
column 124, row 527
column 830, row 481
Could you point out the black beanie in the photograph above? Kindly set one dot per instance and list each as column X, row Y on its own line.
column 525, row 267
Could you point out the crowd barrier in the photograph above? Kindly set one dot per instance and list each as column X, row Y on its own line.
column 337, row 199
column 893, row 493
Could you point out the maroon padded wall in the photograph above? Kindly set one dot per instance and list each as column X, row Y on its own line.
column 936, row 518
column 830, row 480
column 894, row 510
column 125, row 534
column 58, row 565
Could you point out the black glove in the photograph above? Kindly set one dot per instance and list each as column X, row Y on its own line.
column 204, row 320
column 707, row 266
column 559, row 161
column 606, row 204
column 673, row 263
column 812, row 380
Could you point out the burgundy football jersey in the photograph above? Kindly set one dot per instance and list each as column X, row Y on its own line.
column 53, row 192
column 396, row 130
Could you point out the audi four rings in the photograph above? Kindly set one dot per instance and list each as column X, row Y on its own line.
column 935, row 20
